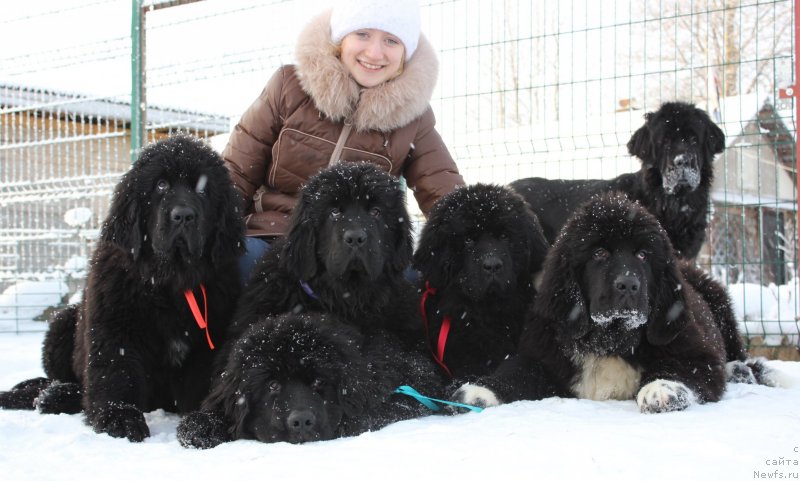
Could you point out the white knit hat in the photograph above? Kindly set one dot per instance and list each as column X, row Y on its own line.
column 398, row 17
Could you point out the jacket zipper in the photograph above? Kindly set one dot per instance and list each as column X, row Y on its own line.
column 337, row 151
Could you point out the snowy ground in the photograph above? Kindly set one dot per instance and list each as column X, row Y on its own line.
column 752, row 431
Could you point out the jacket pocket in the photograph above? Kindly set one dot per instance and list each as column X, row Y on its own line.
column 298, row 155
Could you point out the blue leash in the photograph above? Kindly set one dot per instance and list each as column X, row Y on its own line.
column 430, row 402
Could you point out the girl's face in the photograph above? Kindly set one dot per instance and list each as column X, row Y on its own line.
column 372, row 56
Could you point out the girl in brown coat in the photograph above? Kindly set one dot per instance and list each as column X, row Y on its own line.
column 360, row 91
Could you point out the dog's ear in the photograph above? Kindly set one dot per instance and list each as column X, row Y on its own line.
column 433, row 256
column 715, row 139
column 670, row 313
column 404, row 246
column 537, row 241
column 640, row 144
column 123, row 226
column 358, row 393
column 561, row 297
column 239, row 414
column 229, row 229
column 229, row 396
column 300, row 251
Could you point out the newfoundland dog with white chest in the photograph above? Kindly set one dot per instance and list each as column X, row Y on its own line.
column 676, row 146
column 618, row 316
column 161, row 289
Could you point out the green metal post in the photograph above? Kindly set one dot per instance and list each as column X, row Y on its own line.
column 138, row 99
column 794, row 93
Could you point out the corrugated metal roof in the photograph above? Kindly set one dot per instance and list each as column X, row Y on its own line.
column 14, row 98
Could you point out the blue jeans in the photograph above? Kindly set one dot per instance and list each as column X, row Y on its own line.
column 412, row 275
column 255, row 247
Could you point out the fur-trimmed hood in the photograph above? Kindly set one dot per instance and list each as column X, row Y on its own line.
column 386, row 107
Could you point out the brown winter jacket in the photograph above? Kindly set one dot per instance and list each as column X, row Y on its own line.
column 291, row 131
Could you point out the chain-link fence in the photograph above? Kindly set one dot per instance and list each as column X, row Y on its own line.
column 552, row 89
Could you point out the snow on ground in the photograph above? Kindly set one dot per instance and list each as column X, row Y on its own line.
column 752, row 431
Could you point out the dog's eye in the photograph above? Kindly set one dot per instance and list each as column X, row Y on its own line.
column 162, row 185
column 469, row 241
column 318, row 384
column 336, row 213
column 642, row 255
column 600, row 254
column 274, row 386
column 375, row 212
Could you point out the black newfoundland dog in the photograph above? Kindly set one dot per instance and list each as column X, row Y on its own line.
column 477, row 255
column 676, row 146
column 306, row 377
column 619, row 317
column 349, row 242
column 348, row 245
column 160, row 293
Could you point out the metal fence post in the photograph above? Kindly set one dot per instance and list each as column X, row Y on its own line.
column 796, row 109
column 138, row 92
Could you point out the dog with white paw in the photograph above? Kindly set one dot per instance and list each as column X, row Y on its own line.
column 619, row 316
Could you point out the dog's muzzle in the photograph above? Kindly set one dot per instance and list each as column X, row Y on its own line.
column 682, row 174
column 180, row 232
column 628, row 318
column 355, row 253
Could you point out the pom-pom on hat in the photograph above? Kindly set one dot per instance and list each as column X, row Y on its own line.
column 399, row 17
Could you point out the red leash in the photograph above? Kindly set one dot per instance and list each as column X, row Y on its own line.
column 202, row 320
column 438, row 355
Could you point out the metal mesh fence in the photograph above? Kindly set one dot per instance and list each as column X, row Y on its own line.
column 551, row 89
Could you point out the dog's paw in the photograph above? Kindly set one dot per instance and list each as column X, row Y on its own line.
column 60, row 397
column 475, row 395
column 119, row 421
column 763, row 374
column 739, row 372
column 35, row 384
column 202, row 430
column 23, row 395
column 662, row 395
column 17, row 399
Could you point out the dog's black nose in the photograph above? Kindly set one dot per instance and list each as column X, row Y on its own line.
column 492, row 264
column 355, row 237
column 683, row 161
column 182, row 215
column 302, row 424
column 626, row 284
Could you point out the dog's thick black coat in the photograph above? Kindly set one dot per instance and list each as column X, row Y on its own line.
column 676, row 146
column 307, row 377
column 348, row 244
column 132, row 344
column 477, row 255
column 618, row 316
